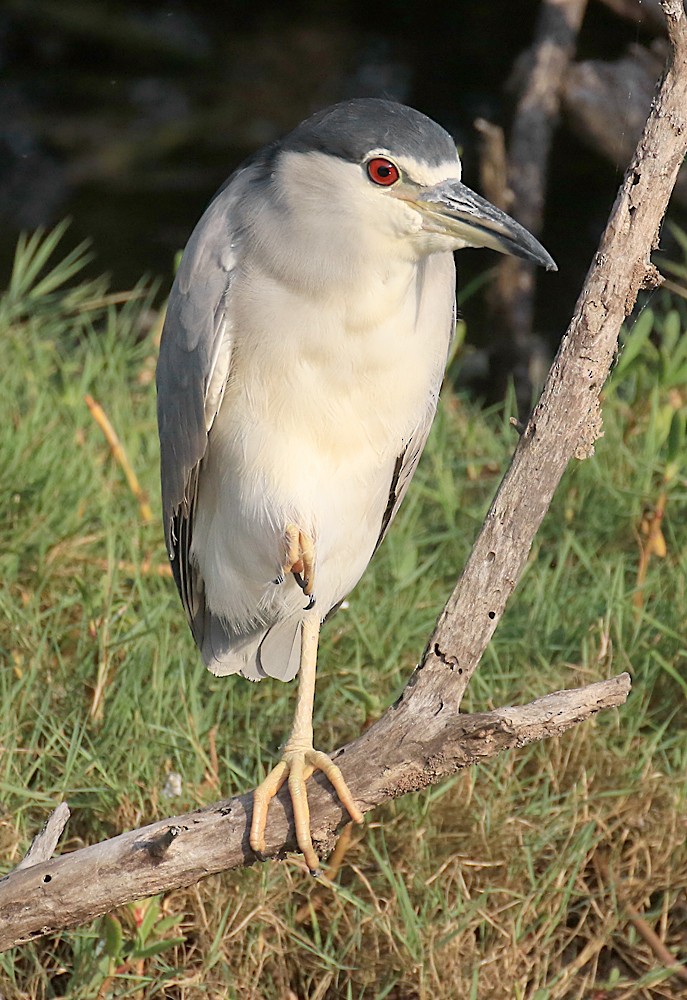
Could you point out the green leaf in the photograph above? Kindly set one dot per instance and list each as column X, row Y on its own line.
column 680, row 235
column 157, row 947
column 634, row 341
column 679, row 376
column 149, row 918
column 113, row 936
column 676, row 443
column 670, row 669
column 671, row 332
column 166, row 924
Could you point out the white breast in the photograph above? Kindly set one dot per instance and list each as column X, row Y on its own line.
column 322, row 397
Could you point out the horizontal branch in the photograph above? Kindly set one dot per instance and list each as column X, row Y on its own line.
column 181, row 850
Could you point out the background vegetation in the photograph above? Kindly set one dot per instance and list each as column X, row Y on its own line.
column 533, row 876
column 127, row 116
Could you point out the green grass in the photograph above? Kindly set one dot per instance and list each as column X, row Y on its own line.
column 510, row 880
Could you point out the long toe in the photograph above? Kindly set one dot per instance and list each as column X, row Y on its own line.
column 294, row 768
column 321, row 762
column 298, row 774
column 262, row 796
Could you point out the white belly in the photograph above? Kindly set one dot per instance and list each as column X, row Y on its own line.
column 313, row 418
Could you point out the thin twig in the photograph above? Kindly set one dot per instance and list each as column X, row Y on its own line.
column 662, row 953
column 120, row 456
column 660, row 950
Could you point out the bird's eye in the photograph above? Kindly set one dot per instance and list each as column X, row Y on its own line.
column 382, row 171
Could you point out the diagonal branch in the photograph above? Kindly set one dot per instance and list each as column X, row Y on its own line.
column 567, row 419
column 423, row 737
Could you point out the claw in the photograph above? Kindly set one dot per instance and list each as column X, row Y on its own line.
column 300, row 557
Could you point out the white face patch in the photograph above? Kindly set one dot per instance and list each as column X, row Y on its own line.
column 331, row 220
column 414, row 171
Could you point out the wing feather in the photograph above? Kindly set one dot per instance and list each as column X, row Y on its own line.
column 407, row 462
column 192, row 371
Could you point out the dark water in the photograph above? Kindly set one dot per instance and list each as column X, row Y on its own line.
column 127, row 116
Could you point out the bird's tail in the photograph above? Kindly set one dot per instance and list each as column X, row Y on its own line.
column 268, row 651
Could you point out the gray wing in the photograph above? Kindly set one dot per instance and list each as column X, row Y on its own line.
column 192, row 369
column 407, row 461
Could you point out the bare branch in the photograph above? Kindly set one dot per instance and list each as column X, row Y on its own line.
column 558, row 24
column 565, row 422
column 181, row 850
column 493, row 164
column 423, row 737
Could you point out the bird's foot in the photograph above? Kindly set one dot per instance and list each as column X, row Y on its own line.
column 296, row 766
column 300, row 557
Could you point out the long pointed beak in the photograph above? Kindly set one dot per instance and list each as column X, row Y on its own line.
column 453, row 209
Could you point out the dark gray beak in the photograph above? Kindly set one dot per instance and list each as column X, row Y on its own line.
column 455, row 210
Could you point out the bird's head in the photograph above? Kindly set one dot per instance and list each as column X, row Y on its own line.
column 373, row 174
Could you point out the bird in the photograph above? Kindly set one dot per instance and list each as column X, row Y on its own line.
column 305, row 341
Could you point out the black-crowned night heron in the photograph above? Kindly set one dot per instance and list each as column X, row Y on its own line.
column 302, row 354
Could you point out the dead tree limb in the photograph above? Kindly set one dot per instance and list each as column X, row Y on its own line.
column 567, row 419
column 511, row 298
column 422, row 737
column 558, row 25
column 179, row 851
column 606, row 103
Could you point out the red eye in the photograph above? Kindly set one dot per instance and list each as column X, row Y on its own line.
column 382, row 171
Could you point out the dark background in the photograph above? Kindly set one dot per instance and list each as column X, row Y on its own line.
column 127, row 116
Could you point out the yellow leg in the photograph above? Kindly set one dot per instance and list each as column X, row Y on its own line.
column 300, row 759
column 308, row 557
